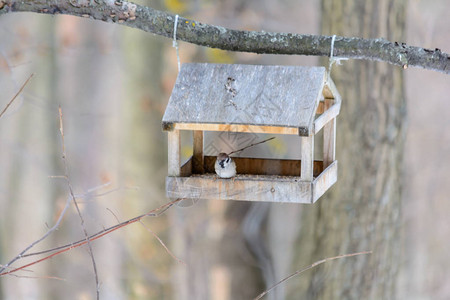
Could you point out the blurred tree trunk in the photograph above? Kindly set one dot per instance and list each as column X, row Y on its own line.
column 143, row 163
column 26, row 160
column 363, row 211
column 90, row 110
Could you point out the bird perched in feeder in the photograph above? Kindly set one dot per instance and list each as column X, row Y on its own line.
column 225, row 166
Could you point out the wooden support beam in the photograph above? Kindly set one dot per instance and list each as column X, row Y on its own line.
column 198, row 158
column 272, row 188
column 329, row 138
column 328, row 114
column 174, row 147
column 307, row 157
column 243, row 188
column 320, row 108
column 232, row 128
column 325, row 180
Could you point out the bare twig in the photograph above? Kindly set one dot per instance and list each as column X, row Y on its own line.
column 107, row 192
column 37, row 277
column 162, row 243
column 72, row 194
column 15, row 96
column 96, row 188
column 61, row 249
column 117, row 219
column 25, row 270
column 251, row 145
column 307, row 268
column 191, row 31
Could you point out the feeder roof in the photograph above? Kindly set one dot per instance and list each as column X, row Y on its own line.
column 233, row 97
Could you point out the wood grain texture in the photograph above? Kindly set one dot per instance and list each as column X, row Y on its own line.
column 320, row 108
column 330, row 91
column 272, row 188
column 173, row 159
column 232, row 128
column 256, row 95
column 329, row 114
column 255, row 166
column 260, row 166
column 329, row 138
column 307, row 156
column 325, row 180
column 198, row 159
column 243, row 187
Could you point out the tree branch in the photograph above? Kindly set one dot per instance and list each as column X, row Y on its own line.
column 162, row 23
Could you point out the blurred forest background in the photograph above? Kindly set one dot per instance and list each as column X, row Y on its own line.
column 113, row 84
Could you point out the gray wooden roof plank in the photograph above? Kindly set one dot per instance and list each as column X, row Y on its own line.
column 285, row 96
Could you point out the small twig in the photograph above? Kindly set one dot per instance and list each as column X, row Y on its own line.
column 25, row 270
column 251, row 145
column 96, row 188
column 110, row 191
column 37, row 277
column 15, row 96
column 162, row 243
column 90, row 192
column 117, row 219
column 307, row 268
column 72, row 194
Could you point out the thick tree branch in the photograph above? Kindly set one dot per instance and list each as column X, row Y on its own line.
column 162, row 23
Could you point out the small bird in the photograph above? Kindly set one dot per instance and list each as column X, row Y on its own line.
column 225, row 166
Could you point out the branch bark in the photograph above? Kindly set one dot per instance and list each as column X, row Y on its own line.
column 162, row 23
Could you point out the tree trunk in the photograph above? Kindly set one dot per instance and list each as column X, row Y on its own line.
column 363, row 210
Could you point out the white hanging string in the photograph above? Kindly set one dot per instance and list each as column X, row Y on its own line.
column 332, row 58
column 175, row 43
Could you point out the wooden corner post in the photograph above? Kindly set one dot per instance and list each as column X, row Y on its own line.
column 307, row 158
column 329, row 138
column 174, row 146
column 198, row 157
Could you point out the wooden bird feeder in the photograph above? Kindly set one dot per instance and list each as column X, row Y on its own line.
column 290, row 100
